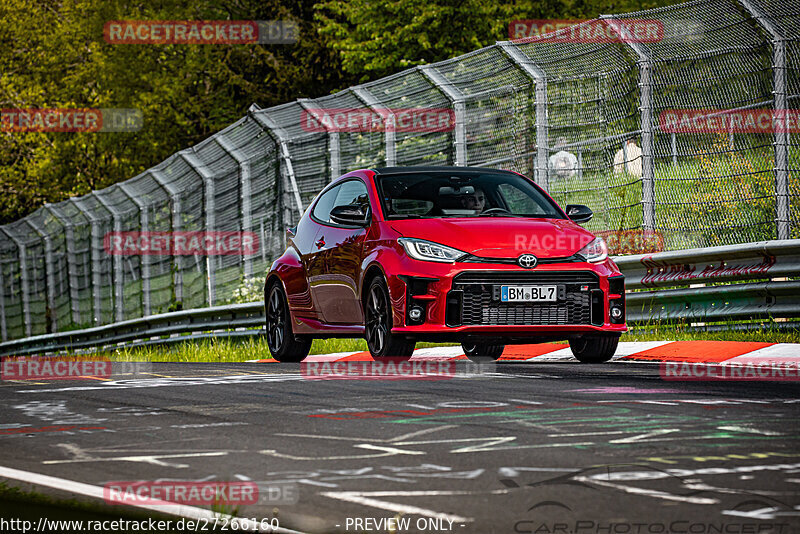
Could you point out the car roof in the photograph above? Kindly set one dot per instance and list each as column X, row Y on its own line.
column 436, row 168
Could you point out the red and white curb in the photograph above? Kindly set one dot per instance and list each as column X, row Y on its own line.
column 720, row 352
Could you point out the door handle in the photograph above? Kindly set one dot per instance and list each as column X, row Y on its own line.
column 321, row 242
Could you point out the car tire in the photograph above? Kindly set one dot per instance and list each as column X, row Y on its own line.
column 283, row 344
column 482, row 352
column 594, row 349
column 378, row 324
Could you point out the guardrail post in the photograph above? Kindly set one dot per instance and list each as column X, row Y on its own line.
column 50, row 278
column 177, row 224
column 333, row 139
column 72, row 268
column 208, row 193
column 144, row 224
column 119, row 280
column 456, row 98
column 94, row 253
column 781, row 119
column 646, row 115
column 539, row 78
column 390, row 139
column 245, row 186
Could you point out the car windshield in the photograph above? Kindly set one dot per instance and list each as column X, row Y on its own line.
column 452, row 194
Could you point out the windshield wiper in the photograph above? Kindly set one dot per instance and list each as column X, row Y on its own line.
column 497, row 214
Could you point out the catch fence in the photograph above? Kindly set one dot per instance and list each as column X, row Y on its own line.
column 589, row 121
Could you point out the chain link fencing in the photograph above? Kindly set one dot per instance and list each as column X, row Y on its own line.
column 586, row 120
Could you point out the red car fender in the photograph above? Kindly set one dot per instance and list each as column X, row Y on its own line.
column 289, row 271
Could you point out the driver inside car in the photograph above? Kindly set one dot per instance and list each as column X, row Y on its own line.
column 475, row 201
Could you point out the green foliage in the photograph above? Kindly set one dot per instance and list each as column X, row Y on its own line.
column 250, row 290
column 52, row 54
column 380, row 37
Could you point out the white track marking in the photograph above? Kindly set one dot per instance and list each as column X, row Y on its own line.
column 749, row 430
column 363, row 498
column 643, row 437
column 181, row 381
column 489, row 444
column 146, row 459
column 627, row 348
column 438, row 353
column 273, row 452
column 387, row 449
column 376, row 440
column 782, row 353
column 647, row 492
column 180, row 510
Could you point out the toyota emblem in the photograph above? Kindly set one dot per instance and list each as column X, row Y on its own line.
column 527, row 261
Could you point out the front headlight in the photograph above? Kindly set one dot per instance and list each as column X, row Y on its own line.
column 596, row 251
column 420, row 249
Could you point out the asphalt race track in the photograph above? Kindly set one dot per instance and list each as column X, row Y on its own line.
column 551, row 448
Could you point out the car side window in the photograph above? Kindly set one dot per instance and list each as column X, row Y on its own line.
column 353, row 192
column 323, row 207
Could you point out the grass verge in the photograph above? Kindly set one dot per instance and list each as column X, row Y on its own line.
column 227, row 350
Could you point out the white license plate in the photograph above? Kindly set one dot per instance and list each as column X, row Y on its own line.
column 528, row 293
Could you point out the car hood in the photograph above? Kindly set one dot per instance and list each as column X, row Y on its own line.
column 500, row 237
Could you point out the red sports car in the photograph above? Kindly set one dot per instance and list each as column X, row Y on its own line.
column 471, row 255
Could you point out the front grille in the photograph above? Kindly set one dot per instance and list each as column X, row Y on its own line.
column 513, row 261
column 478, row 293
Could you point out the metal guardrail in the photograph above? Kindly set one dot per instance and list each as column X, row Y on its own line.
column 765, row 267
column 234, row 320
column 654, row 279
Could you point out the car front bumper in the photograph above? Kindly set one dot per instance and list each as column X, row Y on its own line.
column 461, row 301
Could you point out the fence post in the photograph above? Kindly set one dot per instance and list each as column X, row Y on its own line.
column 119, row 280
column 456, row 98
column 3, row 325
column 94, row 254
column 287, row 169
column 646, row 111
column 333, row 140
column 210, row 210
column 50, row 278
column 245, row 186
column 781, row 114
column 72, row 268
column 539, row 78
column 390, row 139
column 144, row 224
column 175, row 196
column 24, row 283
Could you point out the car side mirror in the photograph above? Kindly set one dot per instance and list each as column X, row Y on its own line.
column 578, row 213
column 351, row 215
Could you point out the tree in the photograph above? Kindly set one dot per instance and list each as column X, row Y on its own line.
column 376, row 38
column 53, row 54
